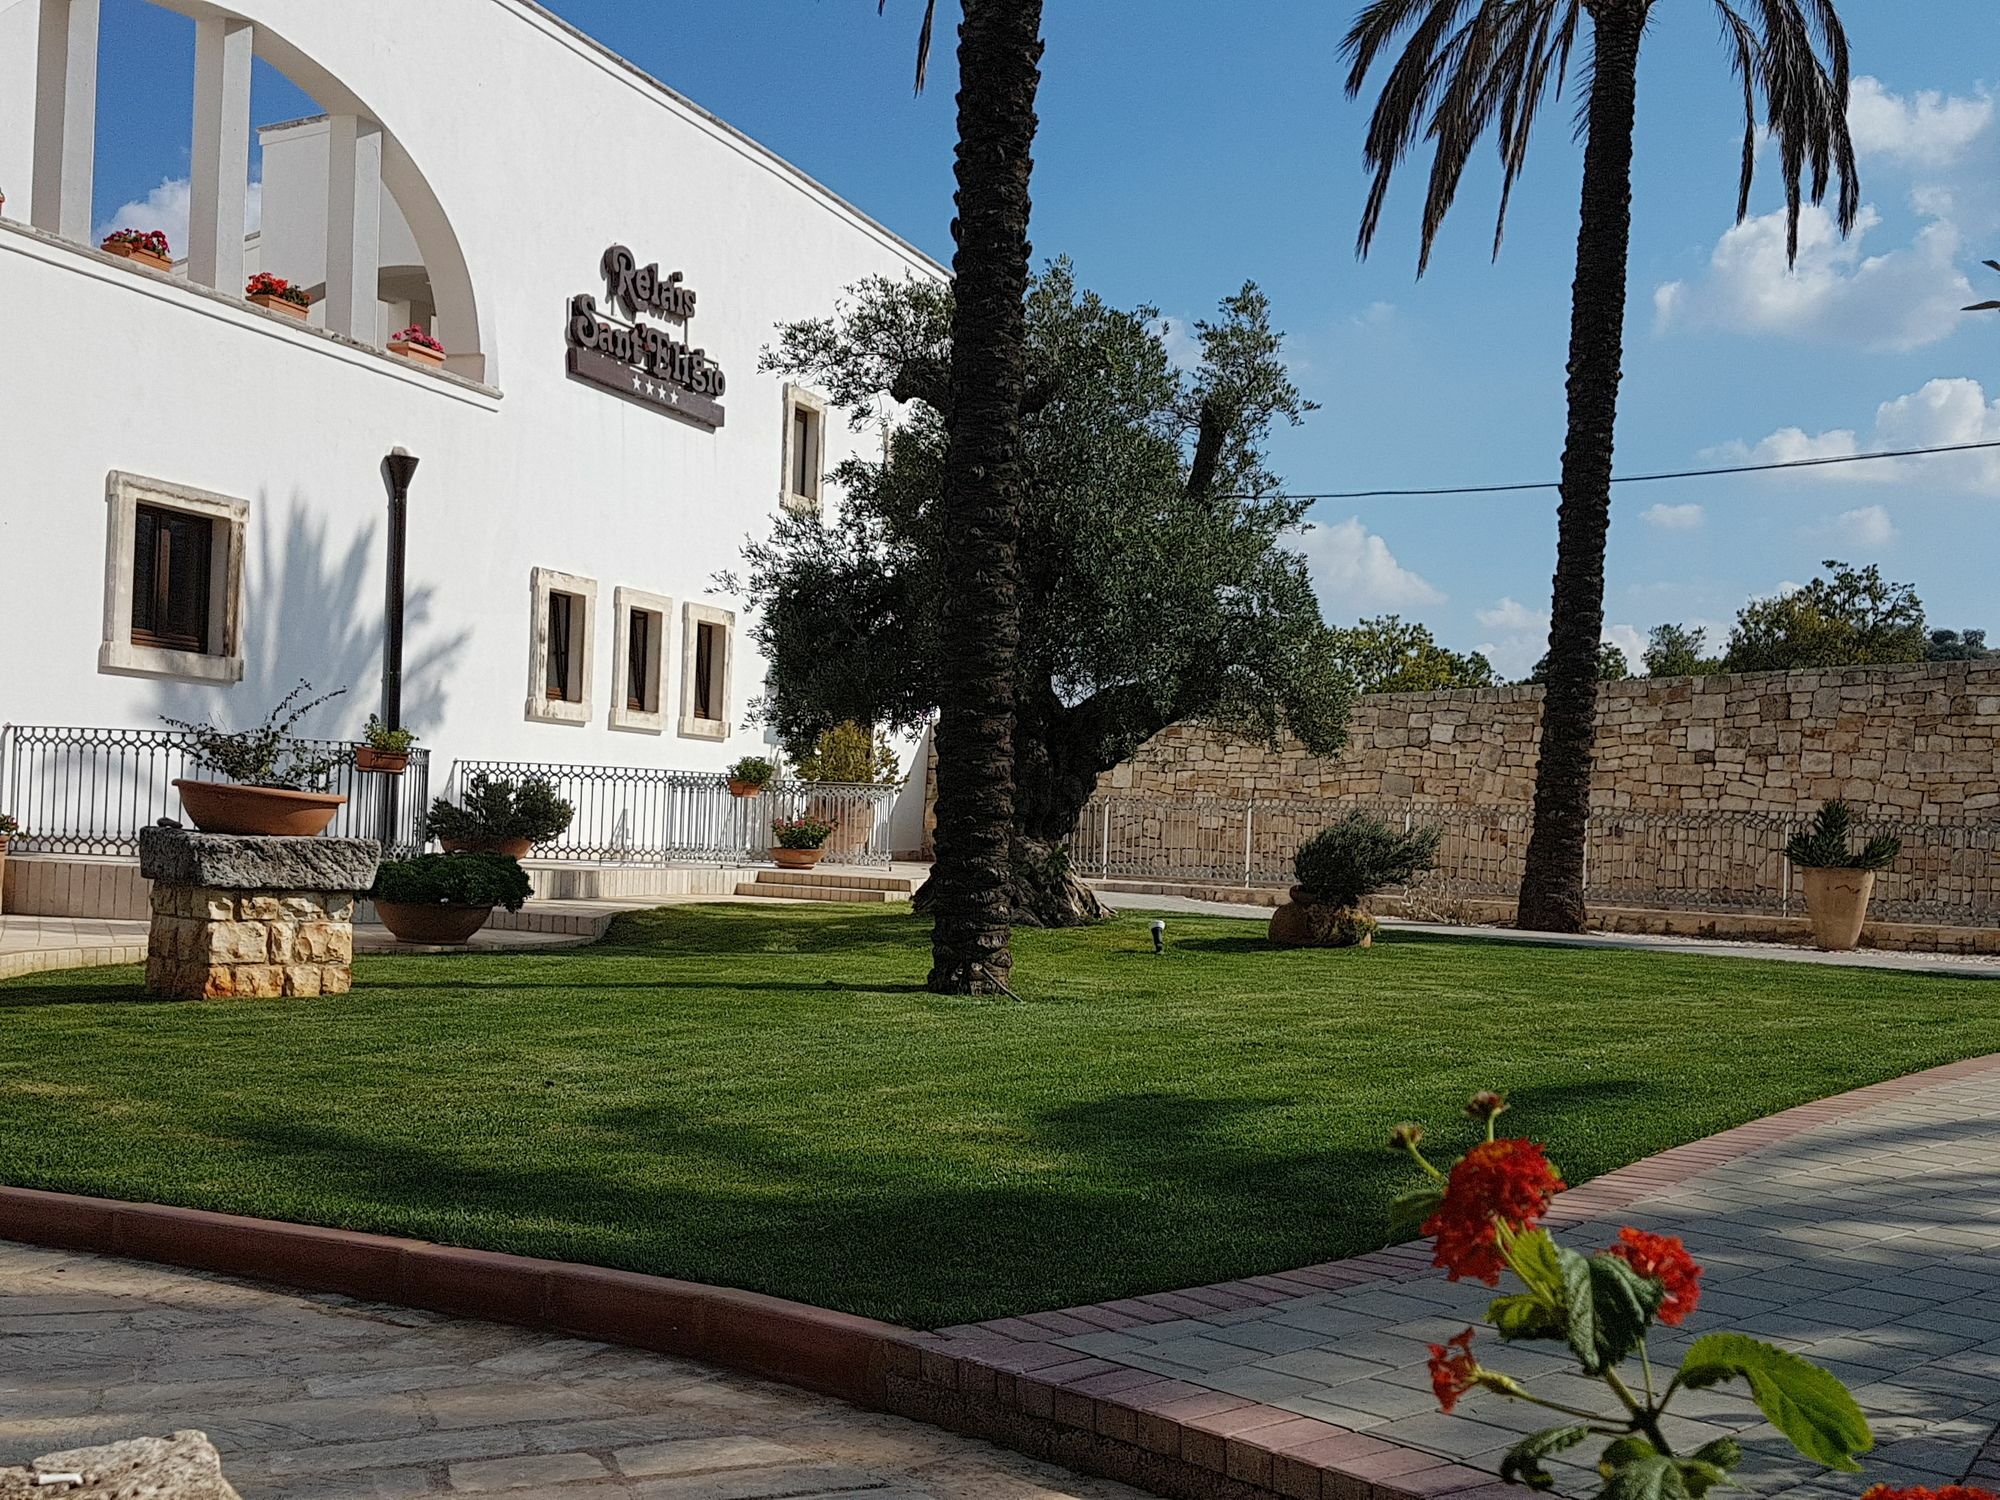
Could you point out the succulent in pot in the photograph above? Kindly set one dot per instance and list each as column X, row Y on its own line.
column 499, row 815
column 1839, row 878
column 383, row 750
column 1339, row 867
column 799, row 843
column 274, row 783
column 749, row 776
column 446, row 898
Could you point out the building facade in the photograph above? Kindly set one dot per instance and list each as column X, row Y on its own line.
column 194, row 513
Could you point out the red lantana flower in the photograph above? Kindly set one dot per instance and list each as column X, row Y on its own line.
column 1666, row 1260
column 1920, row 1492
column 1454, row 1371
column 1496, row 1182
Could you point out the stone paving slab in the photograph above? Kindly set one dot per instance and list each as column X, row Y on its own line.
column 1863, row 1232
column 310, row 1396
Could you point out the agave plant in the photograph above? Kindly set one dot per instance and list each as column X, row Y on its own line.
column 1825, row 845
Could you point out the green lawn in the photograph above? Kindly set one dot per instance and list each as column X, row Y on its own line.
column 765, row 1097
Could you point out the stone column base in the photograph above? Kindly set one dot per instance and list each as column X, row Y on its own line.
column 211, row 944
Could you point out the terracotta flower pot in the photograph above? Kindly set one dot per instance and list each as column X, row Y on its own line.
column 797, row 859
column 432, row 924
column 1305, row 923
column 223, row 807
column 3, row 867
column 381, row 762
column 417, row 352
column 512, row 848
column 745, row 788
column 144, row 257
column 279, row 305
column 1837, row 903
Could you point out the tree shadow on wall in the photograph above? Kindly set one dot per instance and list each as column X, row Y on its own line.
column 314, row 613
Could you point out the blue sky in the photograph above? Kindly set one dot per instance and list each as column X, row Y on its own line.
column 1185, row 148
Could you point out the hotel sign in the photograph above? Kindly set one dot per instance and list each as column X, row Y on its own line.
column 637, row 359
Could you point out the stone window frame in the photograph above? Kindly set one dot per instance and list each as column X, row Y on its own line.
column 625, row 603
column 693, row 617
column 541, row 707
column 119, row 654
column 800, row 398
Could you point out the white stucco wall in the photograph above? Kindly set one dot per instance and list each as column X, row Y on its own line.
column 541, row 151
column 19, row 28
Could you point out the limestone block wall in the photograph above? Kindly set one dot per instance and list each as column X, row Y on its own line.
column 1919, row 742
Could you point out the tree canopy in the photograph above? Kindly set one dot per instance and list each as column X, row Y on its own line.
column 1851, row 617
column 1676, row 651
column 1155, row 583
column 1391, row 655
column 1611, row 665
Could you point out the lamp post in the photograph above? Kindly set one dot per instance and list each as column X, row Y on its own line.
column 398, row 468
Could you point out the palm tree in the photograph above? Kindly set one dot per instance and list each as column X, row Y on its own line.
column 999, row 71
column 1468, row 66
column 1986, row 306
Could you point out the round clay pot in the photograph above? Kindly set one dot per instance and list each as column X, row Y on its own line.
column 1292, row 925
column 1305, row 923
column 223, row 807
column 512, row 848
column 745, row 788
column 1837, row 903
column 797, row 859
column 382, row 762
column 434, row 924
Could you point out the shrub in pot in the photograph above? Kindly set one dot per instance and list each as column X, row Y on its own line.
column 500, row 815
column 749, row 776
column 274, row 783
column 1340, row 866
column 446, row 898
column 8, row 829
column 848, row 754
column 1839, row 878
column 382, row 749
column 798, row 843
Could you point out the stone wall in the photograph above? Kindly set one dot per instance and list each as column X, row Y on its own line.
column 1919, row 741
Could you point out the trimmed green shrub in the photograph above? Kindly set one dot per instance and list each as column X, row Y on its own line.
column 453, row 880
column 497, row 808
column 1360, row 854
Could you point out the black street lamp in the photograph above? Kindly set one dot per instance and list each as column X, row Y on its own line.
column 398, row 468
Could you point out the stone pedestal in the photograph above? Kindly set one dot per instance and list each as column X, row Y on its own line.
column 252, row 918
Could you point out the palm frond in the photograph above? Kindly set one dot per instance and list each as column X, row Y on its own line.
column 923, row 38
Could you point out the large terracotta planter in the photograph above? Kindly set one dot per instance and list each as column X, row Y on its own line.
column 145, row 258
column 797, row 859
column 223, row 807
column 279, row 305
column 745, row 788
column 1837, row 903
column 434, row 924
column 381, row 762
column 1305, row 923
column 416, row 353
column 512, row 848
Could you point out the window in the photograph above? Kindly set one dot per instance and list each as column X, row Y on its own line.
column 563, row 657
column 805, row 449
column 173, row 581
column 705, row 664
column 638, row 674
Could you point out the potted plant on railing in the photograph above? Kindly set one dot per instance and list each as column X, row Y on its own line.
column 383, row 750
column 844, row 759
column 1839, row 879
column 147, row 247
column 275, row 782
column 414, row 343
column 749, row 776
column 8, row 829
column 498, row 816
column 1340, row 866
column 798, row 843
column 275, row 294
column 446, row 898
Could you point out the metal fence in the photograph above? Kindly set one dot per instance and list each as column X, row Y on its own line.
column 639, row 815
column 1949, row 870
column 90, row 791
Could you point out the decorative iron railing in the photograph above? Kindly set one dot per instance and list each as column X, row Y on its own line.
column 90, row 791
column 641, row 815
column 1949, row 870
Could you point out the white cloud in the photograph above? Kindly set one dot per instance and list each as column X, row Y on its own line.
column 1374, row 315
column 1941, row 415
column 1628, row 640
column 1183, row 347
column 1926, row 129
column 1355, row 573
column 1674, row 517
column 1522, row 638
column 1512, row 615
column 1902, row 299
column 1869, row 526
column 166, row 208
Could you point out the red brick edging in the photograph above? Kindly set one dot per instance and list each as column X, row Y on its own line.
column 1008, row 1380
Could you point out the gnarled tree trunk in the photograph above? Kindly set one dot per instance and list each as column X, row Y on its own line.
column 1552, row 884
column 999, row 57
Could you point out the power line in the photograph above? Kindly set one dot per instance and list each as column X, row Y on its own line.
column 1515, row 489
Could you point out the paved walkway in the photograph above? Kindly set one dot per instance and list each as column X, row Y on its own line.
column 1863, row 1232
column 310, row 1396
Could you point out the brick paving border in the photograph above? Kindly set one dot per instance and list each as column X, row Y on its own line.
column 1006, row 1381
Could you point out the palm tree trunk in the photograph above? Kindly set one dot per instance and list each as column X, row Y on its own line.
column 999, row 61
column 1552, row 884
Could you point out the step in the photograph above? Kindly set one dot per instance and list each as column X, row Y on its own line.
column 789, row 891
column 825, row 879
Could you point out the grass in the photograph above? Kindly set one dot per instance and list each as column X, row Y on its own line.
column 767, row 1098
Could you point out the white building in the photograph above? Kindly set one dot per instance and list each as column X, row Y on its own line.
column 193, row 506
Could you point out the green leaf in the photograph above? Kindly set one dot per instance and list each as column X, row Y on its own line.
column 1524, row 1316
column 1409, row 1210
column 1804, row 1402
column 1523, row 1463
column 1723, row 1452
column 1650, row 1477
column 1579, row 1304
column 1623, row 1303
column 1537, row 1260
column 1700, row 1477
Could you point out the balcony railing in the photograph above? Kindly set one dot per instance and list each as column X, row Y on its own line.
column 641, row 815
column 90, row 791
